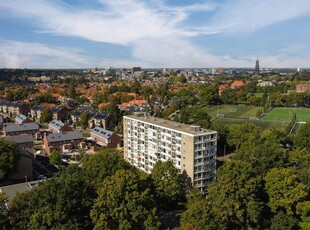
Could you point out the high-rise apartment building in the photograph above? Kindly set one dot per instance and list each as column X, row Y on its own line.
column 190, row 148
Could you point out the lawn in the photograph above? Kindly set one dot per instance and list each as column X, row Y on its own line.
column 285, row 114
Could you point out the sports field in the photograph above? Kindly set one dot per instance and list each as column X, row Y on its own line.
column 232, row 111
column 285, row 114
column 238, row 114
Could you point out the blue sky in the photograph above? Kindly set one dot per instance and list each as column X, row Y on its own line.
column 154, row 33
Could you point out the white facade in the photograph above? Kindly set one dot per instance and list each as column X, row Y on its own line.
column 191, row 149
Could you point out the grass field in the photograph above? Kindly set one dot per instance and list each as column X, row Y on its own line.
column 263, row 125
column 233, row 111
column 235, row 114
column 285, row 114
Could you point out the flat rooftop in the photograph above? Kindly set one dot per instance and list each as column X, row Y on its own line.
column 180, row 127
column 11, row 190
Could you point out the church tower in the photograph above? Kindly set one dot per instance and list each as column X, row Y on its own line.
column 257, row 67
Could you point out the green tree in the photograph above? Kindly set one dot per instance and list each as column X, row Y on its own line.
column 302, row 139
column 198, row 214
column 62, row 202
column 103, row 164
column 168, row 183
column 46, row 116
column 83, row 120
column 4, row 217
column 9, row 157
column 263, row 154
column 115, row 115
column 239, row 134
column 72, row 91
column 284, row 190
column 235, row 196
column 124, row 202
column 282, row 221
column 55, row 157
column 300, row 158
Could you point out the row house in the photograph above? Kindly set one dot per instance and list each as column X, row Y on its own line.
column 21, row 119
column 58, row 113
column 13, row 108
column 99, row 119
column 17, row 129
column 82, row 109
column 56, row 126
column 105, row 138
column 36, row 111
column 22, row 141
column 63, row 142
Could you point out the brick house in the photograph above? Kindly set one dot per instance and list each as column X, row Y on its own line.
column 105, row 137
column 17, row 129
column 302, row 88
column 63, row 142
column 36, row 112
column 99, row 119
column 237, row 84
column 13, row 108
column 60, row 114
column 56, row 126
column 21, row 119
column 22, row 141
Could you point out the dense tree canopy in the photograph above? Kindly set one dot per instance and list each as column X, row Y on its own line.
column 285, row 190
column 62, row 202
column 302, row 139
column 103, row 164
column 168, row 183
column 9, row 157
column 124, row 202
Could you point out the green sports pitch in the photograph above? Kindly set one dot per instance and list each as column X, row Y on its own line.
column 286, row 114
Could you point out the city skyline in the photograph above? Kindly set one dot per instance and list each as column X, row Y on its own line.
column 154, row 33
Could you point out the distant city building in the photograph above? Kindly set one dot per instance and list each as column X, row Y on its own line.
column 135, row 69
column 257, row 67
column 191, row 149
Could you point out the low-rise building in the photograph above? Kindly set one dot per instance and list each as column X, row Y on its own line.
column 17, row 129
column 99, row 119
column 22, row 141
column 302, row 88
column 21, row 119
column 63, row 142
column 56, row 126
column 105, row 137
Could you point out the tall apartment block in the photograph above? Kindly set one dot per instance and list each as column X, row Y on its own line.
column 191, row 149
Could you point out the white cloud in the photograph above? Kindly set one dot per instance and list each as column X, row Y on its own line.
column 248, row 16
column 153, row 30
column 16, row 54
